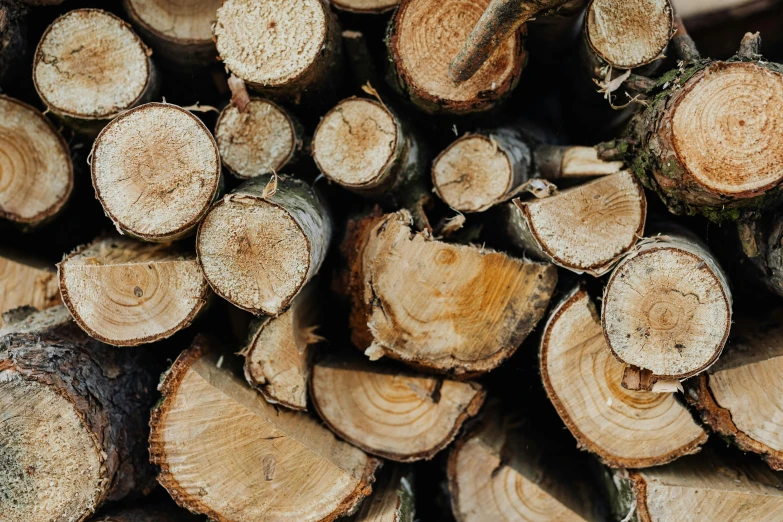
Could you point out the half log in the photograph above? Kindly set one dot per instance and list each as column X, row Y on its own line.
column 26, row 282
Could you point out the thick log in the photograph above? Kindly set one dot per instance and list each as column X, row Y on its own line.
column 35, row 163
column 225, row 453
column 392, row 413
column 279, row 351
column 74, row 421
column 90, row 67
column 425, row 35
column 585, row 229
column 740, row 397
column 126, row 293
column 262, row 243
column 667, row 308
column 13, row 39
column 392, row 499
column 156, row 171
column 26, row 282
column 626, row 429
column 365, row 6
column 260, row 139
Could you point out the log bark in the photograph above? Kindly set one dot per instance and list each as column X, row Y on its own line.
column 279, row 351
column 36, row 165
column 297, row 50
column 90, row 67
column 13, row 39
column 626, row 429
column 586, row 229
column 26, row 282
column 455, row 309
column 75, row 420
column 393, row 498
column 705, row 486
column 761, row 243
column 388, row 412
column 740, row 396
column 262, row 243
column 126, row 293
column 156, row 171
column 180, row 34
column 667, row 308
column 365, row 6
column 362, row 145
column 478, row 171
column 423, row 38
column 227, row 454
column 260, row 139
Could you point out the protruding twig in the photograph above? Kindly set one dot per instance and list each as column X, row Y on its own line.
column 684, row 46
column 750, row 46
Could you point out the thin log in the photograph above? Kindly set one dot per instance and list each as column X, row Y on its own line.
column 262, row 243
column 393, row 499
column 388, row 412
column 365, row 6
column 225, row 453
column 26, row 282
column 13, row 39
column 626, row 429
column 126, row 293
column 425, row 35
column 163, row 160
column 74, row 421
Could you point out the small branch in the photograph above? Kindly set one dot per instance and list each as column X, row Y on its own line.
column 750, row 46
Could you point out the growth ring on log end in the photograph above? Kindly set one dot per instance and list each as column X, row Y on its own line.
column 155, row 170
column 36, row 172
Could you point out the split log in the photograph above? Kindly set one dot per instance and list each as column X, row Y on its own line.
column 13, row 39
column 74, row 420
column 585, row 229
column 35, row 163
column 480, row 170
column 502, row 471
column 156, row 171
column 180, row 33
column 394, row 414
column 26, row 282
column 626, row 429
column 425, row 35
column 365, row 6
column 700, row 487
column 297, row 51
column 667, row 309
column 227, row 454
column 450, row 308
column 90, row 67
column 740, row 397
column 260, row 139
column 393, row 498
column 279, row 351
column 126, row 293
column 262, row 243
column 362, row 145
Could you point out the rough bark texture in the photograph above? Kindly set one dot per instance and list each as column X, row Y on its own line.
column 13, row 39
column 66, row 382
column 761, row 242
column 26, row 282
column 393, row 497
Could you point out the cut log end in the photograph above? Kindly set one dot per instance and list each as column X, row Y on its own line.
column 127, row 293
column 37, row 173
column 90, row 65
column 365, row 6
column 394, row 414
column 156, row 170
column 185, row 24
column 27, row 283
column 629, row 33
column 260, row 139
column 356, row 142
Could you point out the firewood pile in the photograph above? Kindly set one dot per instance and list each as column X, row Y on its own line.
column 391, row 260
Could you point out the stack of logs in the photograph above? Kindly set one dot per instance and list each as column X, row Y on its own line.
column 231, row 193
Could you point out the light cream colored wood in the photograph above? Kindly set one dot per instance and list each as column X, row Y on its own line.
column 26, row 283
column 185, row 21
column 694, row 8
column 579, row 162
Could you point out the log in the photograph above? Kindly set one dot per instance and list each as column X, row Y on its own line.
column 586, row 229
column 455, row 309
column 297, row 51
column 74, row 420
column 261, row 139
column 180, row 34
column 279, row 351
column 503, row 470
column 705, row 486
column 126, row 293
column 142, row 514
column 478, row 171
column 424, row 36
column 626, row 429
column 761, row 243
column 26, row 282
column 156, row 171
column 225, row 453
column 389, row 412
column 393, row 499
column 90, row 67
column 13, row 39
column 667, row 308
column 362, row 145
column 739, row 397
column 365, row 6
column 35, row 163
